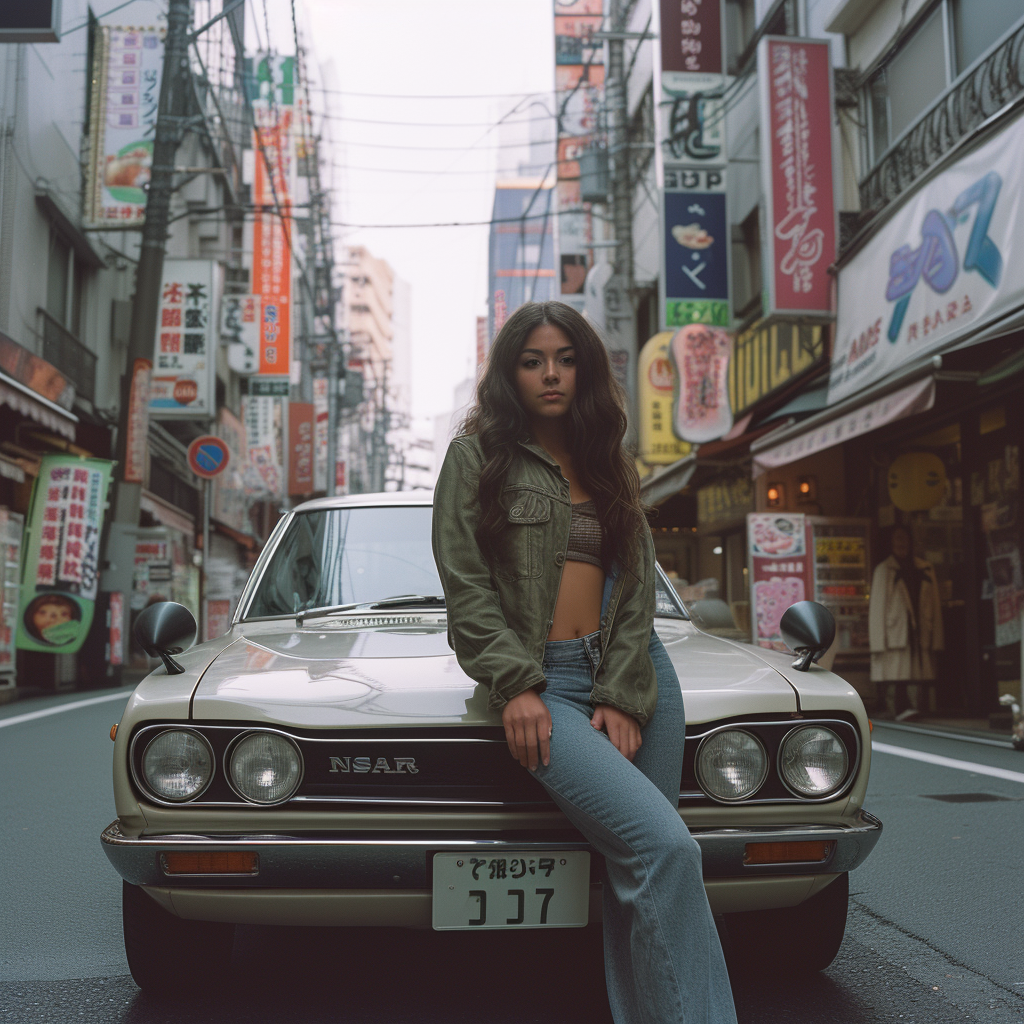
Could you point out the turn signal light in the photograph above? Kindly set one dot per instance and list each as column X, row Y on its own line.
column 214, row 862
column 113, row 731
column 812, row 851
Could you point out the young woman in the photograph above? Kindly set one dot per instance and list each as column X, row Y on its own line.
column 547, row 565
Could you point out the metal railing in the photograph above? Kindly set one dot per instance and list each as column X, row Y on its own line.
column 69, row 355
column 996, row 80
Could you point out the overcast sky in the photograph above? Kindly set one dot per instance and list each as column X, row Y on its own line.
column 489, row 53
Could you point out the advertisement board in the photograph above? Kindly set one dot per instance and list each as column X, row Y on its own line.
column 300, row 448
column 658, row 444
column 795, row 79
column 780, row 571
column 321, row 415
column 937, row 271
column 696, row 249
column 263, row 416
column 691, row 36
column 240, row 331
column 126, row 72
column 184, row 361
column 60, row 567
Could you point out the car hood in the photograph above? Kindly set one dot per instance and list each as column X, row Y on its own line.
column 406, row 674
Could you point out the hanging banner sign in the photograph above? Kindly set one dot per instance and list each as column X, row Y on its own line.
column 691, row 36
column 300, row 448
column 656, row 381
column 272, row 191
column 127, row 67
column 322, row 417
column 60, row 569
column 795, row 79
column 263, row 416
column 240, row 328
column 700, row 357
column 940, row 269
column 183, row 368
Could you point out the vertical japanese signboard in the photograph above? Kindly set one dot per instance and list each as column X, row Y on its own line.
column 183, row 366
column 321, row 421
column 274, row 146
column 263, row 416
column 126, row 71
column 795, row 78
column 300, row 448
column 60, row 568
column 781, row 571
column 579, row 93
column 240, row 317
column 691, row 146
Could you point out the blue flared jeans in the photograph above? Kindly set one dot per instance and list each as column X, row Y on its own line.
column 663, row 959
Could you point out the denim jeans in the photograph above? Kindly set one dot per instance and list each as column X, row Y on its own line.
column 663, row 959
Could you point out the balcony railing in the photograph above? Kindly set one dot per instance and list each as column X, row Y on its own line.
column 996, row 80
column 69, row 355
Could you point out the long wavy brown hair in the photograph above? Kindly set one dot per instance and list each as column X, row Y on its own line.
column 597, row 427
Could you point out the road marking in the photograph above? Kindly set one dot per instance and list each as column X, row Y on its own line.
column 16, row 719
column 948, row 762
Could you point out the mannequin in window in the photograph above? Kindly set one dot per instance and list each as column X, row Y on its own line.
column 904, row 623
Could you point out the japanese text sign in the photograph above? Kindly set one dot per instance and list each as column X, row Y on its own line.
column 939, row 270
column 781, row 572
column 127, row 68
column 60, row 570
column 691, row 36
column 183, row 362
column 300, row 448
column 795, row 77
column 696, row 247
column 656, row 383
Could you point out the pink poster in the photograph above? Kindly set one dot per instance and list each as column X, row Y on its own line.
column 796, row 120
column 781, row 571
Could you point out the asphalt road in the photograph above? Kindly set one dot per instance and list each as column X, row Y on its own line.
column 933, row 934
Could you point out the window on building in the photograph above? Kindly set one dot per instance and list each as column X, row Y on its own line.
column 942, row 45
column 64, row 284
column 746, row 261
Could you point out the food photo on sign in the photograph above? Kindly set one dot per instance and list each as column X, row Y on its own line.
column 696, row 259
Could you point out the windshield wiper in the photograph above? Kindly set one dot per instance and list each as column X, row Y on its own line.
column 304, row 613
column 402, row 599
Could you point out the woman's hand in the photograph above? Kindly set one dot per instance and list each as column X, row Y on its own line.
column 527, row 724
column 623, row 730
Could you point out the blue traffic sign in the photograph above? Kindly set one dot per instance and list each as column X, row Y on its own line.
column 208, row 456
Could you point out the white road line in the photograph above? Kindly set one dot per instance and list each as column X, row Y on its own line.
column 947, row 762
column 16, row 719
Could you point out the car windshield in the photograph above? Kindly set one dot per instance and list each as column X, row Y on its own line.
column 332, row 557
column 337, row 557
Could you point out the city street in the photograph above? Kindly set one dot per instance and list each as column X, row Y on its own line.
column 933, row 933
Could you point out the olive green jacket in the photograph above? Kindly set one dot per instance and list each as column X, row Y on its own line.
column 500, row 610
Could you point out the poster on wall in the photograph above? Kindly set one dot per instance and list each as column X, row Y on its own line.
column 795, row 79
column 184, row 362
column 127, row 67
column 60, row 568
column 658, row 443
column 780, row 571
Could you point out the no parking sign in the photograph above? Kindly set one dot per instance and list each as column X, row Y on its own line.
column 208, row 456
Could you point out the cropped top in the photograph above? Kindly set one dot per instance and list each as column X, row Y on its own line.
column 584, row 534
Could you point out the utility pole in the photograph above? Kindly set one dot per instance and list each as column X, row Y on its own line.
column 134, row 413
column 619, row 312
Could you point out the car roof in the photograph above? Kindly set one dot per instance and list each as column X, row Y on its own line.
column 379, row 500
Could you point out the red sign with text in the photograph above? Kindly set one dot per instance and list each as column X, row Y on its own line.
column 691, row 36
column 796, row 119
column 300, row 448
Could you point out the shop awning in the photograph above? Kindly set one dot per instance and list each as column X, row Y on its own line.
column 671, row 480
column 10, row 470
column 167, row 514
column 27, row 402
column 916, row 397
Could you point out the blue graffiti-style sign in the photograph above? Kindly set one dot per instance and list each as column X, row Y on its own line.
column 936, row 259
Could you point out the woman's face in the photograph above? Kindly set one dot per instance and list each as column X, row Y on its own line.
column 546, row 373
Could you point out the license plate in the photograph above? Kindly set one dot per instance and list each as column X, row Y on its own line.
column 521, row 889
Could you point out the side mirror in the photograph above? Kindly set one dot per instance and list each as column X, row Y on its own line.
column 809, row 629
column 164, row 629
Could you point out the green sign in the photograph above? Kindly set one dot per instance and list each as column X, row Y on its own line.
column 680, row 312
column 61, row 561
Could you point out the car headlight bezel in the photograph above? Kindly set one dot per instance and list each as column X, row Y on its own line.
column 147, row 786
column 702, row 749
column 825, row 794
column 232, row 749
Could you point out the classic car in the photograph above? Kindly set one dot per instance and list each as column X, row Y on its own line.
column 327, row 762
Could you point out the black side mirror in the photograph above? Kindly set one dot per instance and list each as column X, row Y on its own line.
column 809, row 629
column 164, row 629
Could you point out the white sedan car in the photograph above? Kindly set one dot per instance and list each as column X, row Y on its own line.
column 327, row 762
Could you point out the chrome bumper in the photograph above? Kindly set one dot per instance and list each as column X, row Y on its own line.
column 403, row 861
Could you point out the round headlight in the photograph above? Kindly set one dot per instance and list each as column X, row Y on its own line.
column 265, row 768
column 177, row 765
column 813, row 760
column 731, row 765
